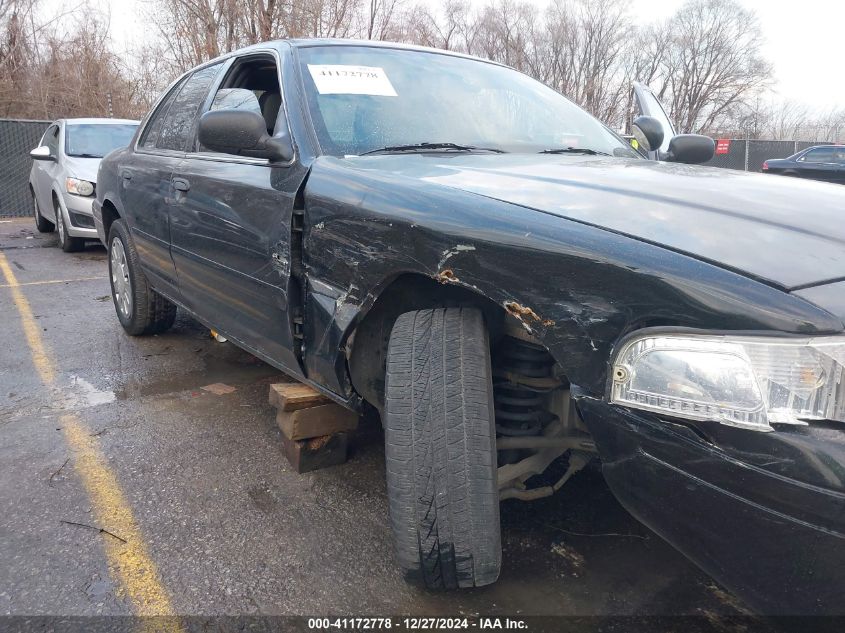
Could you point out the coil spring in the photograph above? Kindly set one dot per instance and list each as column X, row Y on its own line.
column 523, row 377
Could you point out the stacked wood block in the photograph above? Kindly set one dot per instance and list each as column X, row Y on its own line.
column 314, row 429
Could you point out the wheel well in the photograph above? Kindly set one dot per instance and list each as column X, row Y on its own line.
column 109, row 214
column 536, row 420
column 368, row 344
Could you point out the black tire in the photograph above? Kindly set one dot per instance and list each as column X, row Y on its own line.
column 67, row 243
column 148, row 312
column 441, row 449
column 43, row 225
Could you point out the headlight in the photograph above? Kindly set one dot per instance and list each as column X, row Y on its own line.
column 743, row 381
column 79, row 187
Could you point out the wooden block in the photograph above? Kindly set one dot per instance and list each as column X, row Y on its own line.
column 324, row 419
column 318, row 452
column 290, row 396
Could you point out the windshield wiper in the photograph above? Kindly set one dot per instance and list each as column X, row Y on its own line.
column 425, row 147
column 574, row 150
column 85, row 155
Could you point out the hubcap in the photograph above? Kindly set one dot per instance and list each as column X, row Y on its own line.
column 120, row 282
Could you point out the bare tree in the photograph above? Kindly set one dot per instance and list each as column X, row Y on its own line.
column 829, row 126
column 784, row 120
column 16, row 49
column 713, row 62
column 447, row 31
column 61, row 66
column 704, row 62
column 380, row 14
column 194, row 31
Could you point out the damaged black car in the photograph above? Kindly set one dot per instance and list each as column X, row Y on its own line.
column 449, row 244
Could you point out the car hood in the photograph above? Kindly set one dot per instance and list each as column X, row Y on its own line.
column 786, row 232
column 82, row 168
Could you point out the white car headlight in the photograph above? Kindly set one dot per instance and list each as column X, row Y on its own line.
column 743, row 381
column 79, row 187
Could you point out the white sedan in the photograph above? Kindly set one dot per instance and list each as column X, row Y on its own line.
column 64, row 173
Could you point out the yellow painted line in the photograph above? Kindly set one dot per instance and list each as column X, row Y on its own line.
column 131, row 566
column 51, row 281
column 42, row 362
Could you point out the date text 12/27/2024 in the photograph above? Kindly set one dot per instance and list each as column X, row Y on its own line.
column 416, row 624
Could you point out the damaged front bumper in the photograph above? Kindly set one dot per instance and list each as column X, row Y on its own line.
column 764, row 514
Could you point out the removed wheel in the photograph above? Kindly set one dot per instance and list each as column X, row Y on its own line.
column 141, row 309
column 441, row 449
column 43, row 226
column 67, row 243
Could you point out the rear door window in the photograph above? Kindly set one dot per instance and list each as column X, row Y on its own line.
column 178, row 123
column 151, row 131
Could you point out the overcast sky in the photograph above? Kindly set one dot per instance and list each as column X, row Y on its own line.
column 805, row 41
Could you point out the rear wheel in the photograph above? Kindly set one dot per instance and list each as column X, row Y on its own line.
column 67, row 243
column 441, row 449
column 43, row 226
column 141, row 309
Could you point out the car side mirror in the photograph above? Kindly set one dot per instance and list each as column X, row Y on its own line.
column 42, row 153
column 692, row 149
column 649, row 132
column 242, row 133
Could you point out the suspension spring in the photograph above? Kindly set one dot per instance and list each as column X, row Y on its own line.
column 522, row 378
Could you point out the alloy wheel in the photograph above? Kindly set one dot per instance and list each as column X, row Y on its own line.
column 121, row 283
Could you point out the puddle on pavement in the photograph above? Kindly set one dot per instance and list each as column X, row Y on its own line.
column 232, row 367
column 83, row 394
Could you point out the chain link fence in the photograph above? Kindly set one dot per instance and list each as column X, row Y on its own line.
column 747, row 155
column 17, row 139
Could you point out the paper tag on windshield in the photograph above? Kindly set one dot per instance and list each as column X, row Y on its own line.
column 351, row 80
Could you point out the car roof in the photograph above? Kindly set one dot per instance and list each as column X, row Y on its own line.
column 317, row 41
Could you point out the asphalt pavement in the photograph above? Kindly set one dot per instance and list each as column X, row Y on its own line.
column 126, row 487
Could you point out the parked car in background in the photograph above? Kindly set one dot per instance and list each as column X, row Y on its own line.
column 64, row 174
column 824, row 162
column 448, row 242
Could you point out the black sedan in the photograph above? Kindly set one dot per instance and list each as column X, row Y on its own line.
column 450, row 245
column 825, row 162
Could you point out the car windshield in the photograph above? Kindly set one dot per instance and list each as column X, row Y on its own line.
column 95, row 140
column 366, row 98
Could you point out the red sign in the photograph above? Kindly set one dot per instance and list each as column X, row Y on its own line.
column 723, row 146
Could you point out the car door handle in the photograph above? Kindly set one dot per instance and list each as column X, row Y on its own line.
column 126, row 174
column 180, row 184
